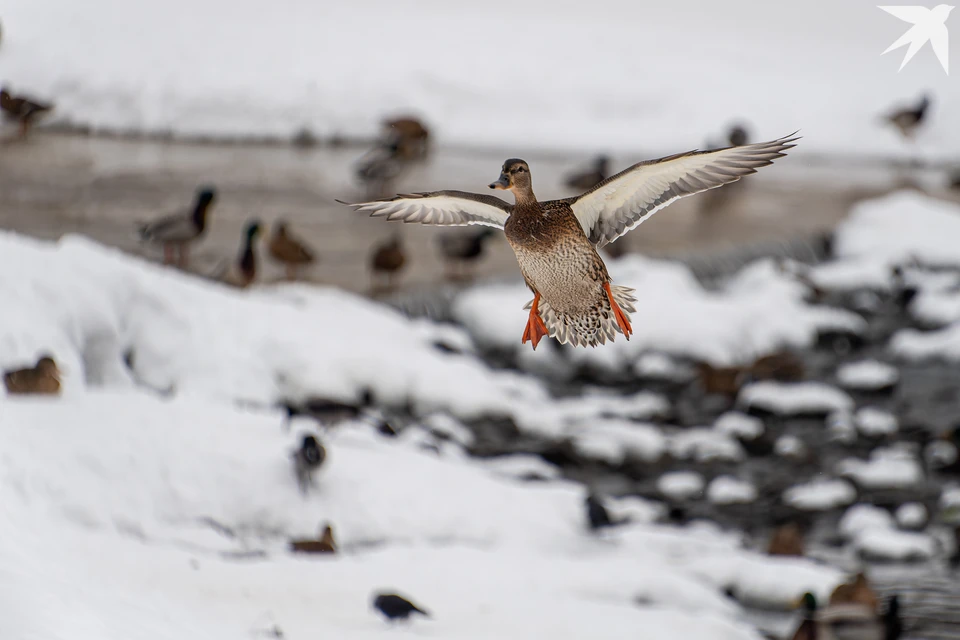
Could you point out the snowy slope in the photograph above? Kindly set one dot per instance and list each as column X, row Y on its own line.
column 628, row 76
column 132, row 515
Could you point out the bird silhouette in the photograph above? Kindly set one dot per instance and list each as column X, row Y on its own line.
column 395, row 607
column 928, row 25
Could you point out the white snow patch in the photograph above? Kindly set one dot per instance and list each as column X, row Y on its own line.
column 681, row 485
column 873, row 422
column 887, row 468
column 889, row 544
column 522, row 467
column 654, row 365
column 790, row 446
column 864, row 517
column 786, row 399
column 867, row 375
column 704, row 445
column 912, row 515
column 739, row 425
column 820, row 495
column 614, row 441
column 730, row 490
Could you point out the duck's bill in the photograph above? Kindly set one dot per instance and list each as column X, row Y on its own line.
column 502, row 183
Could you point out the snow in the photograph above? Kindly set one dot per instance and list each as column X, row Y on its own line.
column 892, row 545
column 912, row 515
column 936, row 307
column 523, row 466
column 873, row 422
column 112, row 483
column 863, row 517
column 821, row 494
column 887, row 468
column 659, row 366
column 681, row 485
column 704, row 445
column 841, row 428
column 867, row 375
column 759, row 312
column 216, row 68
column 739, row 425
column 790, row 446
column 797, row 398
column 614, row 441
column 725, row 490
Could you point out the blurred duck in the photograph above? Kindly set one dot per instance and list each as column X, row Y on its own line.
column 387, row 260
column 410, row 135
column 908, row 120
column 379, row 168
column 306, row 460
column 838, row 622
column 782, row 366
column 42, row 379
column 716, row 200
column 244, row 270
column 590, row 178
column 179, row 230
column 22, row 109
column 289, row 250
column 461, row 249
column 738, row 136
column 857, row 592
column 787, row 540
column 954, row 179
column 324, row 544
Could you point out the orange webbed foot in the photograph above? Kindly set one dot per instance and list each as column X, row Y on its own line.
column 535, row 329
column 622, row 321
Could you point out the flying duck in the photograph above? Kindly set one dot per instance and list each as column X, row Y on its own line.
column 556, row 241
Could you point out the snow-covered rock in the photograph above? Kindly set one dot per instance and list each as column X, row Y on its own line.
column 798, row 398
column 681, row 485
column 725, row 490
column 887, row 468
column 867, row 375
column 875, row 423
column 820, row 495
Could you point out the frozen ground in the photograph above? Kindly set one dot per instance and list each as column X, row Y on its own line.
column 623, row 76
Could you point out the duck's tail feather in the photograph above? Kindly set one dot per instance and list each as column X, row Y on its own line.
column 588, row 330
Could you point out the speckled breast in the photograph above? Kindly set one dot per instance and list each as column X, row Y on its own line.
column 558, row 261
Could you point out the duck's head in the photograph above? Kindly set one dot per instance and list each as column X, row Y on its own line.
column 253, row 230
column 280, row 227
column 48, row 366
column 514, row 176
column 808, row 602
column 206, row 197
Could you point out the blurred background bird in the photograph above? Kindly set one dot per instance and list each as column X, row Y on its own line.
column 289, row 250
column 22, row 109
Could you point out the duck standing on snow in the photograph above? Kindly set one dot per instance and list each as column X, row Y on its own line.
column 379, row 168
column 42, row 379
column 324, row 544
column 244, row 271
column 908, row 120
column 590, row 178
column 22, row 109
column 396, row 607
column 289, row 250
column 179, row 230
column 556, row 241
column 388, row 259
column 459, row 250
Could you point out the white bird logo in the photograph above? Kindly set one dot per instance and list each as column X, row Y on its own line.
column 928, row 25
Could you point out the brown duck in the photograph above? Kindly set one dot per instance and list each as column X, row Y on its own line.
column 43, row 379
column 787, row 540
column 289, row 250
column 325, row 544
column 388, row 259
column 22, row 109
column 556, row 241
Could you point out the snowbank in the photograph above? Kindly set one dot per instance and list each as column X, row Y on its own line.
column 820, row 495
column 792, row 399
column 887, row 468
column 760, row 310
column 214, row 67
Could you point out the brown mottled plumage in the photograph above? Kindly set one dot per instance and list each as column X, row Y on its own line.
column 388, row 259
column 786, row 540
column 289, row 250
column 721, row 380
column 556, row 241
column 856, row 592
column 22, row 109
column 43, row 379
column 411, row 136
column 782, row 366
column 325, row 544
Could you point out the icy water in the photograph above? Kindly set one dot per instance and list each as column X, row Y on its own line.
column 100, row 187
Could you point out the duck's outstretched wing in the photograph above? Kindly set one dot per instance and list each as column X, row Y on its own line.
column 449, row 208
column 623, row 201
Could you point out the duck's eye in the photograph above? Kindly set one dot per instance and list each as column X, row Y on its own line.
column 520, row 169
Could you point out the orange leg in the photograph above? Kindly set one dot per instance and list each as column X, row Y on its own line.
column 618, row 313
column 535, row 329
